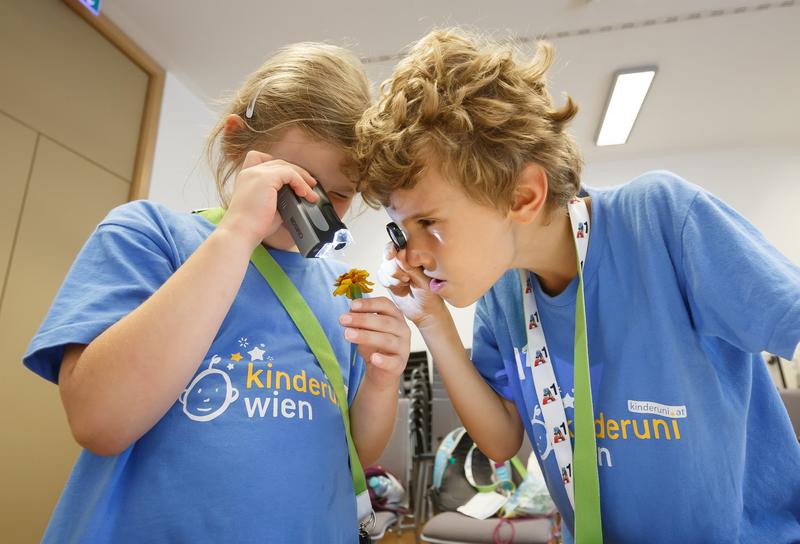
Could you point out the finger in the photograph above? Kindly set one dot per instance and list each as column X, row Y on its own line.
column 253, row 157
column 390, row 274
column 392, row 261
column 374, row 322
column 417, row 277
column 377, row 305
column 390, row 363
column 309, row 179
column 389, row 251
column 400, row 291
column 379, row 341
column 291, row 177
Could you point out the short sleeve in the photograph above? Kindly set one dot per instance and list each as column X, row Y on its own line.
column 117, row 269
column 739, row 287
column 486, row 354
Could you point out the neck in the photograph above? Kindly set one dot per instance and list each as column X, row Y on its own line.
column 546, row 248
column 281, row 240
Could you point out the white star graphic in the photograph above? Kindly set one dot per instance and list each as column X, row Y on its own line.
column 569, row 401
column 230, row 366
column 256, row 354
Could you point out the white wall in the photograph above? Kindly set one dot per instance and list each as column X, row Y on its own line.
column 181, row 178
column 760, row 182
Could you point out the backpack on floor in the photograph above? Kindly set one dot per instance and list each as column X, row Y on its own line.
column 380, row 504
column 531, row 498
column 460, row 470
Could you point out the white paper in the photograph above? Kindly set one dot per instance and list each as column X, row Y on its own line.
column 483, row 505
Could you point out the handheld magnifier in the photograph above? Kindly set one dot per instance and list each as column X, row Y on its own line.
column 397, row 236
column 315, row 228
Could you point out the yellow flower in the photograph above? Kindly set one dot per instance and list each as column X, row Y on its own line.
column 353, row 284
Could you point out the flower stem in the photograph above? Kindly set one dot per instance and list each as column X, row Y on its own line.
column 355, row 292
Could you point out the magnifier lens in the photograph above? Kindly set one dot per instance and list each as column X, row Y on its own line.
column 342, row 239
column 397, row 236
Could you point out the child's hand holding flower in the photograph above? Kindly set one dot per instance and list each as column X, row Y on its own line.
column 377, row 327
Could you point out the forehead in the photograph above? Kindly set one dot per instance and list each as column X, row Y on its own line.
column 327, row 162
column 432, row 192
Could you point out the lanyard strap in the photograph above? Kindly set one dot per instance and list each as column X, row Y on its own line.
column 580, row 465
column 309, row 327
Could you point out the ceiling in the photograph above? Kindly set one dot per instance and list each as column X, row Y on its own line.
column 728, row 71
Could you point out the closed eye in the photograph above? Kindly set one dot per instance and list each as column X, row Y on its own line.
column 426, row 222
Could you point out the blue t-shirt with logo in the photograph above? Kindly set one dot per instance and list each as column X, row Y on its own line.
column 682, row 294
column 254, row 448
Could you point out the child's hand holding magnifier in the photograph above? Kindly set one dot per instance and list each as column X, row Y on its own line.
column 409, row 286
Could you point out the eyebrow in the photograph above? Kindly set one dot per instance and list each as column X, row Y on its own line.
column 416, row 216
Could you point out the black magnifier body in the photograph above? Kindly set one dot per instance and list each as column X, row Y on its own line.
column 397, row 236
column 315, row 228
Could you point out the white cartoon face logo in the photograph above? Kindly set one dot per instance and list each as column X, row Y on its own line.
column 201, row 400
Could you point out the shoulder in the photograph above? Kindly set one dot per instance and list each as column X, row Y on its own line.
column 654, row 190
column 146, row 215
column 655, row 203
column 157, row 222
column 156, row 227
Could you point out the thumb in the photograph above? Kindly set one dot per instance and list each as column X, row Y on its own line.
column 418, row 279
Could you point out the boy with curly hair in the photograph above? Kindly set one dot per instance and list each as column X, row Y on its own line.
column 656, row 299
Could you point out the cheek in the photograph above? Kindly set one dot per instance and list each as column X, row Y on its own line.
column 341, row 207
column 489, row 256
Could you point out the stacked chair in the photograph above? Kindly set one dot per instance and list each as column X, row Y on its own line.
column 408, row 455
column 420, row 415
column 396, row 459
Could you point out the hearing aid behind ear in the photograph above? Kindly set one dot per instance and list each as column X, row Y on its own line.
column 315, row 228
column 397, row 236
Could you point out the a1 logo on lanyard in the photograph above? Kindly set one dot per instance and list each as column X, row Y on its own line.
column 579, row 217
column 548, row 392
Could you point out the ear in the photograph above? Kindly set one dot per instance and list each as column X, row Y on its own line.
column 530, row 193
column 233, row 124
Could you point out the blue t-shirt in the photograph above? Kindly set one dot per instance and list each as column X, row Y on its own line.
column 694, row 444
column 254, row 449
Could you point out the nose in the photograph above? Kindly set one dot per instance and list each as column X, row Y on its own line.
column 207, row 400
column 418, row 254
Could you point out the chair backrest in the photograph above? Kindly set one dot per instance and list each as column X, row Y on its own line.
column 791, row 399
column 396, row 458
column 443, row 419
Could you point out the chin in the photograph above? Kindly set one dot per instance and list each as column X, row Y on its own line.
column 461, row 300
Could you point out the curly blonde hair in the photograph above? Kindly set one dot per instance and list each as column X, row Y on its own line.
column 317, row 87
column 469, row 107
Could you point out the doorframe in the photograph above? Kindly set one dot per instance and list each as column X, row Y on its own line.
column 145, row 148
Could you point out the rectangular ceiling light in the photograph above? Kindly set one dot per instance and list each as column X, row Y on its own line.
column 627, row 95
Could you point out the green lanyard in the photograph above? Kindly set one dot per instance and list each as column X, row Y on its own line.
column 309, row 327
column 578, row 464
column 588, row 523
